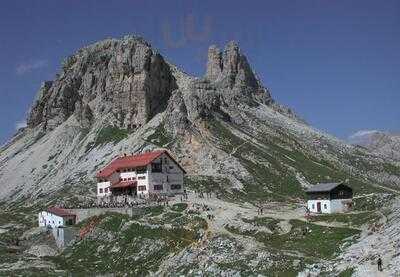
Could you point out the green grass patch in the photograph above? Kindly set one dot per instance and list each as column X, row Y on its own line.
column 217, row 185
column 352, row 220
column 179, row 207
column 319, row 242
column 347, row 273
column 137, row 249
column 110, row 134
column 160, row 137
column 270, row 223
column 113, row 221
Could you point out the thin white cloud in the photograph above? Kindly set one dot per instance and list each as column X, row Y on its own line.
column 27, row 67
column 363, row 133
column 20, row 124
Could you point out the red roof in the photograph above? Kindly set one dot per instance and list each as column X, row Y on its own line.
column 59, row 212
column 124, row 184
column 133, row 161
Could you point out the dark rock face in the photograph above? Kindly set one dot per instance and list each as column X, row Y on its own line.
column 122, row 79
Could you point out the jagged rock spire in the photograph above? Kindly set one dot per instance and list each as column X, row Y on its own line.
column 230, row 67
column 214, row 63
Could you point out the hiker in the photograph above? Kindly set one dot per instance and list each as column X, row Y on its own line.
column 379, row 264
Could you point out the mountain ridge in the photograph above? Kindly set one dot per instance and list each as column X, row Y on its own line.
column 228, row 103
column 379, row 142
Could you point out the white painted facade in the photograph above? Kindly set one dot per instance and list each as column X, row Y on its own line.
column 168, row 181
column 328, row 206
column 49, row 219
column 103, row 189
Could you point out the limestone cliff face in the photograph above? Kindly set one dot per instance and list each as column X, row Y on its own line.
column 123, row 79
column 382, row 143
column 128, row 83
column 229, row 84
column 230, row 70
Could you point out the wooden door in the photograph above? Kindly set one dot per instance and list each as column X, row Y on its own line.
column 319, row 207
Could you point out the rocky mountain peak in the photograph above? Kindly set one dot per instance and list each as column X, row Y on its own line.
column 383, row 143
column 124, row 80
column 230, row 67
column 214, row 63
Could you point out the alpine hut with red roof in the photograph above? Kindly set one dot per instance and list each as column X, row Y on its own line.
column 56, row 217
column 155, row 172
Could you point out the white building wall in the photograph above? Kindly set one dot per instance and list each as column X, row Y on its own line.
column 327, row 206
column 127, row 175
column 338, row 206
column 49, row 219
column 143, row 180
column 104, row 187
column 171, row 174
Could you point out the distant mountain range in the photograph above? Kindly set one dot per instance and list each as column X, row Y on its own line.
column 383, row 143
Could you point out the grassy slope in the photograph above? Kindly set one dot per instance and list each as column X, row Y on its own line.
column 271, row 164
column 129, row 245
column 319, row 242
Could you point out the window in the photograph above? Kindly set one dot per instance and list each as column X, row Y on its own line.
column 141, row 170
column 176, row 186
column 141, row 188
column 325, row 206
column 171, row 167
column 158, row 187
column 141, row 177
column 106, row 190
column 156, row 167
column 313, row 206
column 100, row 190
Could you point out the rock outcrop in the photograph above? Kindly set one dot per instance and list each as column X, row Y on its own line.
column 229, row 83
column 230, row 71
column 125, row 80
column 381, row 143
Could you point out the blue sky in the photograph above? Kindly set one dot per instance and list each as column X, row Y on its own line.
column 336, row 63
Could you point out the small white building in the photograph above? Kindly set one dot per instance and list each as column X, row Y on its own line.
column 329, row 198
column 155, row 172
column 56, row 217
